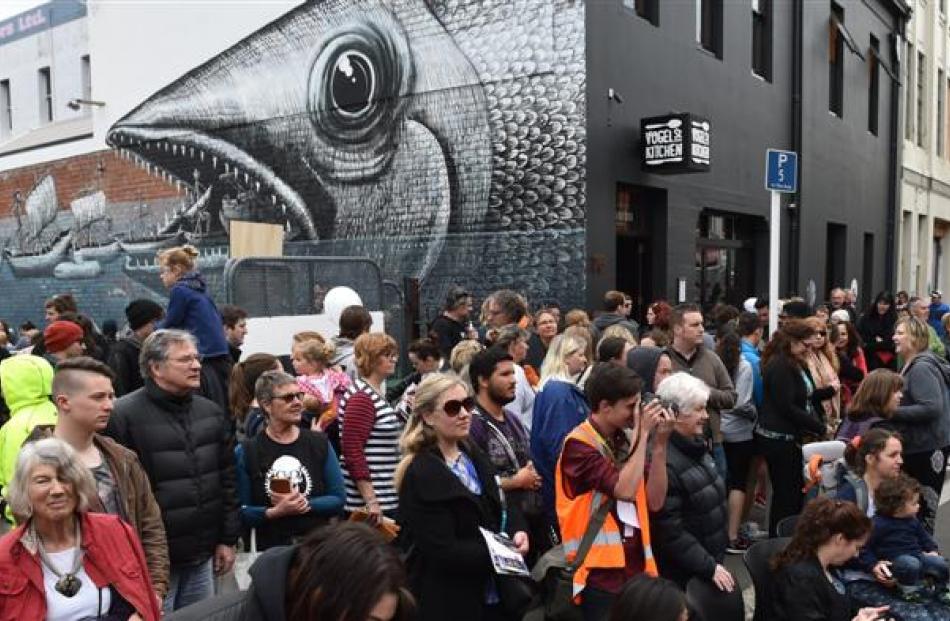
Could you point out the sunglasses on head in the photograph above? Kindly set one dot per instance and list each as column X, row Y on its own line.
column 289, row 397
column 452, row 407
column 821, row 333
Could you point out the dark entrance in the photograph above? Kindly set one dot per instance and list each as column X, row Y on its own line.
column 639, row 211
column 725, row 258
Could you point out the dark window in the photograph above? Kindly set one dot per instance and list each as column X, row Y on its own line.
column 867, row 275
column 647, row 9
column 46, row 95
column 874, row 84
column 6, row 109
column 86, row 76
column 909, row 88
column 836, row 42
column 762, row 38
column 709, row 25
column 836, row 246
column 921, row 94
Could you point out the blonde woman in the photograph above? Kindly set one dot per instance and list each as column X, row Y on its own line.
column 461, row 357
column 447, row 493
column 922, row 416
column 822, row 361
column 559, row 407
column 190, row 308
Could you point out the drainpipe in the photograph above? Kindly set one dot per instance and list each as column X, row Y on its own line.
column 894, row 153
column 798, row 18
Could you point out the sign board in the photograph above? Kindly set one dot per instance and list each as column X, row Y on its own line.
column 255, row 239
column 781, row 171
column 272, row 335
column 675, row 143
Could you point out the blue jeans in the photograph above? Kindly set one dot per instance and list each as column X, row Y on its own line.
column 908, row 569
column 719, row 456
column 189, row 584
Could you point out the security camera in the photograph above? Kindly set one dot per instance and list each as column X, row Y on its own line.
column 75, row 104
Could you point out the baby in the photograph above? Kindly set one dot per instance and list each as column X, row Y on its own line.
column 898, row 541
column 311, row 360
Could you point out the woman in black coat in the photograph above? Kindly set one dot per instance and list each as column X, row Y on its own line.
column 447, row 491
column 791, row 409
column 690, row 533
column 876, row 327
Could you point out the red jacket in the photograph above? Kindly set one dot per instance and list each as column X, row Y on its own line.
column 113, row 556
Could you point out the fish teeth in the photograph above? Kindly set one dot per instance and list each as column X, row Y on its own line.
column 214, row 162
column 273, row 199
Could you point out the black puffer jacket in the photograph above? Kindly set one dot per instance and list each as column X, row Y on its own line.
column 689, row 533
column 186, row 448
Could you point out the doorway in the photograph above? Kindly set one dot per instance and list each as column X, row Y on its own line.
column 639, row 210
column 725, row 257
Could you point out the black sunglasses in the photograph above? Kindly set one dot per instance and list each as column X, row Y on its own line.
column 289, row 397
column 452, row 407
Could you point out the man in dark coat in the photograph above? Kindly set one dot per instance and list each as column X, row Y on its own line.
column 124, row 355
column 184, row 443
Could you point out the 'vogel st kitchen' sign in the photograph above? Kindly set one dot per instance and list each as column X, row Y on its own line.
column 675, row 143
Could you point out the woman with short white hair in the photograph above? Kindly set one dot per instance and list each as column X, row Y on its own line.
column 690, row 532
column 64, row 562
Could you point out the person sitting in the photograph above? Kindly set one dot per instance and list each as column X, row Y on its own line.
column 872, row 458
column 829, row 533
column 64, row 562
column 341, row 571
column 899, row 540
column 646, row 598
column 691, row 529
column 289, row 479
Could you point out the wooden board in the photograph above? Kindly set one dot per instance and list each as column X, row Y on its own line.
column 254, row 239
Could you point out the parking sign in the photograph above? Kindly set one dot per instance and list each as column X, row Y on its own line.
column 781, row 171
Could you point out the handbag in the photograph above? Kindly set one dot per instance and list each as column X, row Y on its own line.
column 243, row 562
column 557, row 575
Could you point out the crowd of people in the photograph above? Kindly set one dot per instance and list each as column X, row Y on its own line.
column 620, row 461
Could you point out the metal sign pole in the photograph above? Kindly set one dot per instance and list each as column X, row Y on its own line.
column 775, row 230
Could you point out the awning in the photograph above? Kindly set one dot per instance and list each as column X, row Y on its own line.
column 875, row 56
column 838, row 29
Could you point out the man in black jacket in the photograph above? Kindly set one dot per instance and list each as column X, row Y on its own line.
column 124, row 355
column 184, row 443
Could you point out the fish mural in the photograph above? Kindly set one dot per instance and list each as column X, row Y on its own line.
column 445, row 139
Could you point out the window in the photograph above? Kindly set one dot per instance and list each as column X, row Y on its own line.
column 647, row 9
column 941, row 145
column 762, row 38
column 874, row 84
column 836, row 62
column 909, row 91
column 86, row 76
column 709, row 25
column 46, row 95
column 6, row 109
column 921, row 94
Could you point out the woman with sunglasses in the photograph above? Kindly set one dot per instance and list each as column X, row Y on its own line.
column 823, row 365
column 447, row 492
column 289, row 479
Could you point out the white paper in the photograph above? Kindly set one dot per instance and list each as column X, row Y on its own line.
column 504, row 556
column 627, row 511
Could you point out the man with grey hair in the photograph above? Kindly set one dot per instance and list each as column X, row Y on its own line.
column 185, row 445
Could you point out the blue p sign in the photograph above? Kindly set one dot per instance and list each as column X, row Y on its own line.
column 781, row 171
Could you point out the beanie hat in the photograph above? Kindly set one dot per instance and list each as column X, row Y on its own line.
column 61, row 334
column 140, row 312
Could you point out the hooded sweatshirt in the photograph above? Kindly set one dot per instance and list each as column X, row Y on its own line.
column 344, row 357
column 190, row 308
column 923, row 417
column 604, row 321
column 26, row 382
column 643, row 361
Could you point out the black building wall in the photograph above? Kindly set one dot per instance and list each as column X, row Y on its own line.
column 662, row 68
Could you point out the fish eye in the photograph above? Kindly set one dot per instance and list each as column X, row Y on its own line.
column 353, row 84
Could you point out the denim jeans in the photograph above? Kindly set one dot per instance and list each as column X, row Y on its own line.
column 189, row 584
column 908, row 569
column 719, row 456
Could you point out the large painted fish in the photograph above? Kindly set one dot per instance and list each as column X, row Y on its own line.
column 443, row 139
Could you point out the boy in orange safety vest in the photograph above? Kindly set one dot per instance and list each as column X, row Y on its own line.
column 604, row 459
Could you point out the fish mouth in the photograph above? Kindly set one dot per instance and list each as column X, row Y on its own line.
column 191, row 157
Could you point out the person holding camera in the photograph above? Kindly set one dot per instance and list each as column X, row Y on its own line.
column 690, row 530
column 604, row 461
column 289, row 479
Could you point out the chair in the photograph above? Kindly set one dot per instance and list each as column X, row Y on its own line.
column 786, row 526
column 708, row 603
column 757, row 559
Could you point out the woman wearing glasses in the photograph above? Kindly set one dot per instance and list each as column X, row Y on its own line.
column 823, row 365
column 447, row 493
column 289, row 479
column 370, row 430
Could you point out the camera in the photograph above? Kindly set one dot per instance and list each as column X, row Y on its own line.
column 649, row 397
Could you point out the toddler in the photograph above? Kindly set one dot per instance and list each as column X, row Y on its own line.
column 311, row 360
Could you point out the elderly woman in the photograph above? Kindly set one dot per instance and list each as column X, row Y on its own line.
column 289, row 479
column 63, row 562
column 447, row 493
column 370, row 430
column 559, row 407
column 690, row 531
column 922, row 418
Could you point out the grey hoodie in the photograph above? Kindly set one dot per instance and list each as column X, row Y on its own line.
column 344, row 357
column 606, row 320
column 923, row 418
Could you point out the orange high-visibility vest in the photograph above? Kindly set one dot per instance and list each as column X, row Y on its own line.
column 574, row 514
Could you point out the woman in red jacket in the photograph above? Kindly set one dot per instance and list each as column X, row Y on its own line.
column 63, row 562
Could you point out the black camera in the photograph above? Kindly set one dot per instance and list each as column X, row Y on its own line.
column 649, row 397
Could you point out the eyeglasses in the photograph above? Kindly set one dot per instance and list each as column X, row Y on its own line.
column 186, row 359
column 821, row 333
column 290, row 397
column 452, row 407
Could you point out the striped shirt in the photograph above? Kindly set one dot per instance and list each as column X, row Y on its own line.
column 369, row 434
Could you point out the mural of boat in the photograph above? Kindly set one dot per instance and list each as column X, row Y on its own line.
column 151, row 245
column 41, row 209
column 88, row 210
column 75, row 270
column 42, row 263
column 105, row 252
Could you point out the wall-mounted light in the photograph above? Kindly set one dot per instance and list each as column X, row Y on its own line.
column 613, row 95
column 76, row 104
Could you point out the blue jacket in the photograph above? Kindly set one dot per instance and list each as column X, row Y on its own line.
column 190, row 308
column 559, row 407
column 936, row 312
column 892, row 537
column 751, row 354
